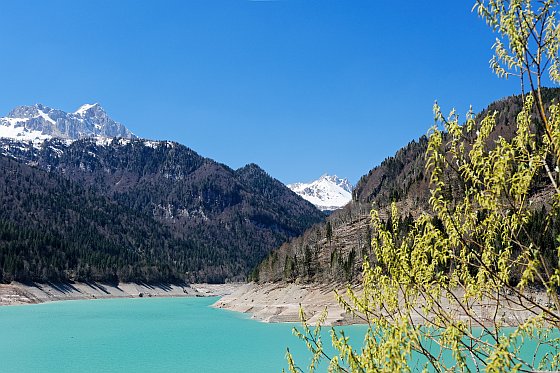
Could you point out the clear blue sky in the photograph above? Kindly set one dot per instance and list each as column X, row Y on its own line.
column 300, row 87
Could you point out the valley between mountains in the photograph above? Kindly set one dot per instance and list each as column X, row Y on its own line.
column 87, row 201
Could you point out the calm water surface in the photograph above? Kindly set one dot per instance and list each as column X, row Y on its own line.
column 143, row 335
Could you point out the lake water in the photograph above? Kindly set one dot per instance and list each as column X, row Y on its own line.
column 144, row 335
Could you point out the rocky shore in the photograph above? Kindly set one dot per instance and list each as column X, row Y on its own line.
column 18, row 293
column 280, row 302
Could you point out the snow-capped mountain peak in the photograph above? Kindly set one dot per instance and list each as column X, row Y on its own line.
column 39, row 122
column 333, row 179
column 329, row 192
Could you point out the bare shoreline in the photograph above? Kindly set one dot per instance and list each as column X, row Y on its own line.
column 270, row 302
column 280, row 302
column 17, row 293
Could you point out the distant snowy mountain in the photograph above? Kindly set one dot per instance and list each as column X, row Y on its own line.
column 38, row 122
column 327, row 193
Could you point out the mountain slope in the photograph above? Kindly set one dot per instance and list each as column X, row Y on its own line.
column 232, row 218
column 333, row 251
column 327, row 193
column 52, row 229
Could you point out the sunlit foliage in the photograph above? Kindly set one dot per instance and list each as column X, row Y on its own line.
column 469, row 285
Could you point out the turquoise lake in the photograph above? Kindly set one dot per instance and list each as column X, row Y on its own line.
column 143, row 335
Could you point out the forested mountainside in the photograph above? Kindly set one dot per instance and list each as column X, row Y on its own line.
column 207, row 222
column 54, row 229
column 333, row 251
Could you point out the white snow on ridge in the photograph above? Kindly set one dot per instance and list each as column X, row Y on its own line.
column 20, row 133
column 43, row 115
column 103, row 141
column 152, row 144
column 327, row 193
column 39, row 122
column 33, row 125
column 82, row 109
column 15, row 121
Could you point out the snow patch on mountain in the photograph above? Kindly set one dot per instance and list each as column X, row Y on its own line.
column 327, row 193
column 84, row 108
column 20, row 133
column 39, row 122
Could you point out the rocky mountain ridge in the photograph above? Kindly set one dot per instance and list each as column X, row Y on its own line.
column 39, row 122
